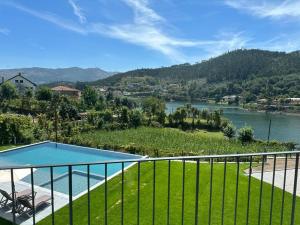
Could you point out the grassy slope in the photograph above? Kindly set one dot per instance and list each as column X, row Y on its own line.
column 130, row 206
column 170, row 141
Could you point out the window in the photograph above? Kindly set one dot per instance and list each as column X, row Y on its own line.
column 21, row 81
column 16, row 81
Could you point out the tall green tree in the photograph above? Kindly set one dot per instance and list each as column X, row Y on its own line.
column 90, row 96
column 43, row 94
column 8, row 91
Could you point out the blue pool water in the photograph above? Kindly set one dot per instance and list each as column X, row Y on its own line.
column 52, row 153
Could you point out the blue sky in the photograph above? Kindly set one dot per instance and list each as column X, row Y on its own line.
column 119, row 35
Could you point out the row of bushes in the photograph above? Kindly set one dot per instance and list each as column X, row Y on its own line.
column 16, row 129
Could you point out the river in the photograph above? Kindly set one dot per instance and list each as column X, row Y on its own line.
column 284, row 127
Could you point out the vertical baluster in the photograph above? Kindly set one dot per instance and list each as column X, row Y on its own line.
column 261, row 189
column 89, row 194
column 154, row 187
column 237, row 189
column 272, row 193
column 295, row 189
column 52, row 196
column 105, row 201
column 249, row 190
column 70, row 196
column 224, row 189
column 122, row 196
column 183, row 194
column 197, row 193
column 210, row 190
column 283, row 189
column 169, row 184
column 32, row 195
column 13, row 195
column 138, row 194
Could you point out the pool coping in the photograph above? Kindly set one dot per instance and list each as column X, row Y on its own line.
column 98, row 184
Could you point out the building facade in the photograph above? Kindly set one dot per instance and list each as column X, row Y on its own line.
column 21, row 83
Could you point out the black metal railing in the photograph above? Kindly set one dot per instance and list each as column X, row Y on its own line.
column 192, row 170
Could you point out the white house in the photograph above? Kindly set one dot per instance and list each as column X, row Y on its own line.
column 22, row 83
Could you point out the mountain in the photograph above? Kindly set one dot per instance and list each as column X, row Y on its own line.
column 236, row 65
column 243, row 72
column 46, row 75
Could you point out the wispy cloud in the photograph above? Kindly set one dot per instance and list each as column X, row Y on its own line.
column 50, row 17
column 147, row 28
column 4, row 31
column 77, row 11
column 272, row 9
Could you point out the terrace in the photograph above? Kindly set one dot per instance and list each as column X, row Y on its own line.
column 258, row 188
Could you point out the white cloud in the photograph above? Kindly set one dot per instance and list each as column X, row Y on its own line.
column 77, row 11
column 52, row 18
column 146, row 29
column 267, row 8
column 4, row 31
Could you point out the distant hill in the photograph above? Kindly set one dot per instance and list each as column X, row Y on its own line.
column 235, row 65
column 46, row 75
column 255, row 73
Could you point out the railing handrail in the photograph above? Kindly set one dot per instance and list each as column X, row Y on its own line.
column 186, row 158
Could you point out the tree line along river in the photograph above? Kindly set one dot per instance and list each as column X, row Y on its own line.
column 284, row 127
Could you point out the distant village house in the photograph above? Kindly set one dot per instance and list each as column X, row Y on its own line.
column 67, row 91
column 21, row 83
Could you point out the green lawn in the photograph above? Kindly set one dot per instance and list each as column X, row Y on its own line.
column 168, row 142
column 5, row 147
column 130, row 202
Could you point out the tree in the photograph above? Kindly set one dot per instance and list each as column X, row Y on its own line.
column 124, row 118
column 229, row 130
column 89, row 96
column 153, row 106
column 135, row 118
column 246, row 134
column 44, row 94
column 8, row 91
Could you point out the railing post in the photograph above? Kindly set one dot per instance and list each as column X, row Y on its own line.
column 183, row 194
column 70, row 196
column 224, row 189
column 89, row 194
column 197, row 193
column 13, row 196
column 169, row 184
column 236, row 189
column 32, row 195
column 210, row 190
column 52, row 195
column 295, row 189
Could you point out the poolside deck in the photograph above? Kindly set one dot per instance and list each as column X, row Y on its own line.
column 60, row 201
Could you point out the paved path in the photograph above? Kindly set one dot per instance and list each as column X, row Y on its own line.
column 279, row 177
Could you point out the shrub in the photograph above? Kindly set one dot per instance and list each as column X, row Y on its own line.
column 246, row 134
column 15, row 129
column 229, row 130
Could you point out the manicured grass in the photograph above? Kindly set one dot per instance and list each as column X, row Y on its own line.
column 146, row 198
column 168, row 141
column 5, row 147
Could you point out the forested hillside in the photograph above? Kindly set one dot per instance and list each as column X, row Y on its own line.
column 255, row 73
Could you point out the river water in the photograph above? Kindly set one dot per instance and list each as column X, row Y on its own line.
column 283, row 127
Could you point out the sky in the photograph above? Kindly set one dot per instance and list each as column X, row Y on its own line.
column 121, row 35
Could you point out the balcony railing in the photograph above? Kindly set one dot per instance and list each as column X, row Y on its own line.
column 259, row 188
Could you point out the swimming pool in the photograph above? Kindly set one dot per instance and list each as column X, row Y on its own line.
column 50, row 153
